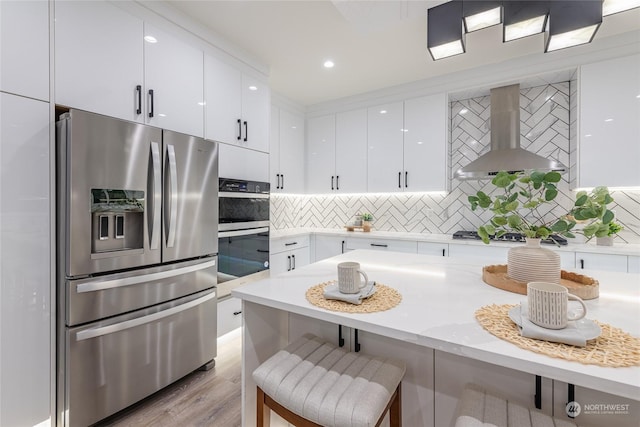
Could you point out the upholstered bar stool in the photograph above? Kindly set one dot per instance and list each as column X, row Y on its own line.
column 314, row 383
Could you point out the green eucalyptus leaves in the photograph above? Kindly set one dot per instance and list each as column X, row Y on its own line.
column 517, row 208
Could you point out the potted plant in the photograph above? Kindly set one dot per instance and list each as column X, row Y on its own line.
column 591, row 208
column 518, row 209
column 366, row 221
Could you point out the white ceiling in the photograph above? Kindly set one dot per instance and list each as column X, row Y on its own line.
column 374, row 44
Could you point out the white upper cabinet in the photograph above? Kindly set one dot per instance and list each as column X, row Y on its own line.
column 351, row 152
column 237, row 106
column 274, row 149
column 321, row 154
column 174, row 83
column 99, row 59
column 241, row 163
column 385, row 154
column 291, row 152
column 24, row 48
column 425, row 143
column 609, row 123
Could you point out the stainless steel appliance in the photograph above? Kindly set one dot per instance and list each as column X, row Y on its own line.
column 243, row 233
column 137, row 235
column 554, row 239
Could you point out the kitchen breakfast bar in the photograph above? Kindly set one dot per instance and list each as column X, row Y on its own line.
column 435, row 332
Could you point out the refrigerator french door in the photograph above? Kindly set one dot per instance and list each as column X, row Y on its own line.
column 137, row 236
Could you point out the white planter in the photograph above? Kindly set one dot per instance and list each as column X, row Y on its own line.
column 604, row 241
column 533, row 263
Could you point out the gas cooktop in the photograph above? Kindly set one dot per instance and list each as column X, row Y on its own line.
column 508, row 237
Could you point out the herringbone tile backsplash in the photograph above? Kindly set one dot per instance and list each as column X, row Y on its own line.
column 546, row 113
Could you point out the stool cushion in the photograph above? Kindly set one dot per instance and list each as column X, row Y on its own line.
column 478, row 407
column 328, row 385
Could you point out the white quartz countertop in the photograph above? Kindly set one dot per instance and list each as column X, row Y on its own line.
column 439, row 298
column 575, row 245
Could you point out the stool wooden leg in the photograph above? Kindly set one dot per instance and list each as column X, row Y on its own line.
column 395, row 411
column 263, row 413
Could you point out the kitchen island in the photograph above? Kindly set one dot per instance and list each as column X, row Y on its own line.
column 435, row 332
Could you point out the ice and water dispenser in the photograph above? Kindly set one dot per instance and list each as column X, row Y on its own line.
column 117, row 220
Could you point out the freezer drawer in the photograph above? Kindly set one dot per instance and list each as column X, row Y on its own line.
column 95, row 298
column 116, row 362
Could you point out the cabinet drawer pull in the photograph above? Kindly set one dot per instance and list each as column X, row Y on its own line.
column 582, row 264
column 151, row 102
column 293, row 257
column 444, row 252
column 406, row 179
column 277, row 181
column 379, row 245
column 291, row 244
column 332, row 182
column 139, row 92
column 282, row 181
column 337, row 182
column 246, row 131
column 289, row 259
column 235, row 313
column 239, row 129
column 399, row 177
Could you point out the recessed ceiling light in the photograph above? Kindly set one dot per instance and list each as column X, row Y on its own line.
column 201, row 103
column 253, row 88
column 608, row 120
column 328, row 63
column 150, row 39
column 162, row 115
column 464, row 111
column 420, row 143
column 383, row 111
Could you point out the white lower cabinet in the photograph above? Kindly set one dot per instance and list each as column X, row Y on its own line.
column 431, row 248
column 229, row 315
column 609, row 262
column 633, row 264
column 594, row 407
column 25, row 258
column 242, row 163
column 287, row 254
column 488, row 253
column 328, row 246
column 381, row 244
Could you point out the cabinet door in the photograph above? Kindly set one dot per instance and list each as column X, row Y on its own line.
column 431, row 248
column 633, row 264
column 256, row 102
column 274, row 150
column 299, row 257
column 382, row 244
column 425, row 143
column 328, row 246
column 241, row 163
column 99, row 58
column 291, row 152
column 609, row 262
column 321, row 154
column 280, row 263
column 351, row 151
column 384, row 157
column 229, row 315
column 25, row 288
column 24, row 48
column 174, row 72
column 223, row 110
column 609, row 117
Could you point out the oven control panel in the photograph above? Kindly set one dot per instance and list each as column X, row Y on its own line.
column 240, row 186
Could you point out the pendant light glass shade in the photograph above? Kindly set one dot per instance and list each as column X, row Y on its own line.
column 572, row 23
column 523, row 18
column 481, row 14
column 609, row 7
column 444, row 30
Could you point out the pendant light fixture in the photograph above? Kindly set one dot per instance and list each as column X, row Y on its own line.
column 481, row 14
column 444, row 30
column 523, row 19
column 572, row 23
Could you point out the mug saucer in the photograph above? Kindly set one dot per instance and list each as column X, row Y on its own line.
column 587, row 327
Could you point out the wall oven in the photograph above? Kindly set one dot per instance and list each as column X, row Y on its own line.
column 243, row 233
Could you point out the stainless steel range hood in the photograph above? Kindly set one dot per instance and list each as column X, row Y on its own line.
column 506, row 154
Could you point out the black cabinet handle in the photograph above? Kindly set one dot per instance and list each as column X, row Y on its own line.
column 246, row 131
column 571, row 397
column 406, row 179
column 277, row 181
column 399, row 177
column 293, row 257
column 340, row 338
column 151, row 98
column 444, row 252
column 289, row 258
column 332, row 182
column 537, row 399
column 337, row 182
column 263, row 251
column 235, row 313
column 379, row 245
column 582, row 264
column 282, row 181
column 291, row 244
column 356, row 347
column 239, row 129
column 342, row 246
column 139, row 92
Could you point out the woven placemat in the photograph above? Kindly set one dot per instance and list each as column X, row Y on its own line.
column 383, row 299
column 614, row 348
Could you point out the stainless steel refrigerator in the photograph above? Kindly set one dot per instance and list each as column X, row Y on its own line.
column 137, row 262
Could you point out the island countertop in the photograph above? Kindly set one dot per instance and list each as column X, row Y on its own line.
column 439, row 298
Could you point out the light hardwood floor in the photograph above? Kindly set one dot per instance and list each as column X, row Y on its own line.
column 211, row 398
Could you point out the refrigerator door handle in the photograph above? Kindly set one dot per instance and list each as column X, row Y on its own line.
column 154, row 226
column 172, row 200
column 118, row 283
column 128, row 324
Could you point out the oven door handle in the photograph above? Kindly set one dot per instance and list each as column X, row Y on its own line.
column 128, row 324
column 234, row 233
column 135, row 280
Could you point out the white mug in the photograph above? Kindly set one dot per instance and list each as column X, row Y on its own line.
column 349, row 280
column 547, row 305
